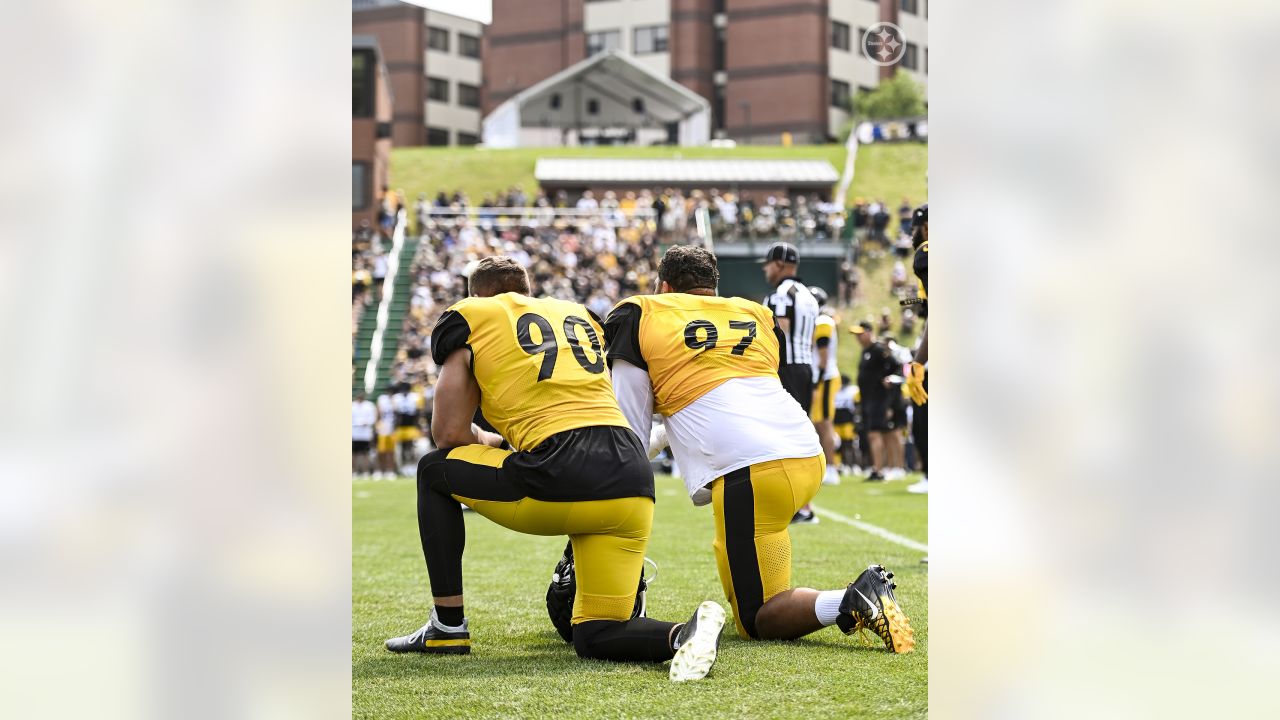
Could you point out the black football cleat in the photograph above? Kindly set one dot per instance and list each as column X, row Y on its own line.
column 434, row 639
column 697, row 642
column 869, row 603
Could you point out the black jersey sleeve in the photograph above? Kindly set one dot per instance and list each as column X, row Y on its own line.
column 451, row 333
column 622, row 335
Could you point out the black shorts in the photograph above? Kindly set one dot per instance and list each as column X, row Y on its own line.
column 797, row 380
column 601, row 462
column 898, row 414
column 843, row 415
column 360, row 446
column 875, row 414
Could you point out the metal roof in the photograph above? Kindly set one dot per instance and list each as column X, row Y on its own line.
column 632, row 171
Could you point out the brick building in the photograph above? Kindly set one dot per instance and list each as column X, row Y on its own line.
column 434, row 63
column 766, row 66
column 371, row 113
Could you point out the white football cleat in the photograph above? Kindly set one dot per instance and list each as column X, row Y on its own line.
column 697, row 643
column 920, row 488
column 831, row 476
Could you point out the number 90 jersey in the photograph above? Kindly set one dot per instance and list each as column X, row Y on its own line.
column 539, row 363
column 691, row 344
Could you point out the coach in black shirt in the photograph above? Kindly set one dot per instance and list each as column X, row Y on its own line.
column 874, row 369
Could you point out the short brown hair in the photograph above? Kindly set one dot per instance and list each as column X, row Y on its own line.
column 689, row 267
column 496, row 275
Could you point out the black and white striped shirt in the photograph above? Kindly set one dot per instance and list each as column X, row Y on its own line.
column 793, row 301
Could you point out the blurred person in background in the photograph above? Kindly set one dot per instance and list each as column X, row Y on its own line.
column 843, row 422
column 826, row 378
column 917, row 382
column 408, row 408
column 895, row 452
column 874, row 386
column 363, row 417
column 886, row 322
column 386, row 431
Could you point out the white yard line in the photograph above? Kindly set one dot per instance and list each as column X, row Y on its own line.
column 873, row 529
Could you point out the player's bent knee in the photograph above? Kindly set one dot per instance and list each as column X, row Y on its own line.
column 431, row 469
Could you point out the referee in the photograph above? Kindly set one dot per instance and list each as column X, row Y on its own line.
column 796, row 312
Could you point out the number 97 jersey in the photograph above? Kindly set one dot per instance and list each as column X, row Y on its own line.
column 691, row 344
column 540, row 364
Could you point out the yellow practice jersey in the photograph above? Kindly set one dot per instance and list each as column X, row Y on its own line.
column 691, row 344
column 540, row 364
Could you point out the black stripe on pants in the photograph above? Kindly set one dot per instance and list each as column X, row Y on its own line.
column 740, row 546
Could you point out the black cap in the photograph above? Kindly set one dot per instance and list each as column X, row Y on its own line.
column 785, row 252
column 921, row 215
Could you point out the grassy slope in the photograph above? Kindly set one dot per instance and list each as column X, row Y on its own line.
column 520, row 668
column 886, row 171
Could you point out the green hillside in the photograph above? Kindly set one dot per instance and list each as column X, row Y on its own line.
column 886, row 171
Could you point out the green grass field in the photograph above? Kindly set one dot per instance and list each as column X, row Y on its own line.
column 519, row 667
column 889, row 172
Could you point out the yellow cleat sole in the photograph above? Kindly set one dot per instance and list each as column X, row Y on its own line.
column 902, row 637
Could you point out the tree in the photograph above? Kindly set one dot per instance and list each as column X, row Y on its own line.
column 897, row 97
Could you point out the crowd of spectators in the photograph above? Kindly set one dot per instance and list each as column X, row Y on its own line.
column 368, row 268
column 670, row 212
column 591, row 259
column 597, row 249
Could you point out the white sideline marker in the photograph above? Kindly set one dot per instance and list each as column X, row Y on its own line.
column 873, row 529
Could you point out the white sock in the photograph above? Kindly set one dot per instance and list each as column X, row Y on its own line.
column 827, row 606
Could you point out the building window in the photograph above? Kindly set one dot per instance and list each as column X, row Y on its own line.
column 468, row 95
column 468, row 46
column 438, row 39
column 839, row 35
column 600, row 41
column 437, row 136
column 840, row 94
column 438, row 89
column 652, row 39
column 363, row 67
column 910, row 6
column 468, row 138
column 910, row 59
column 359, row 185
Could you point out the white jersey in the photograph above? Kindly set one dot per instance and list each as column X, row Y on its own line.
column 363, row 416
column 826, row 330
column 793, row 301
column 386, row 415
column 741, row 422
column 844, row 397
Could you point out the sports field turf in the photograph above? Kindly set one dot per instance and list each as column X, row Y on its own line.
column 519, row 667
